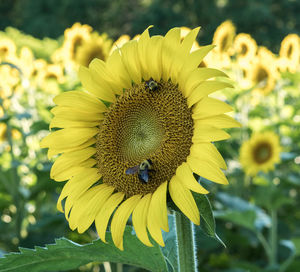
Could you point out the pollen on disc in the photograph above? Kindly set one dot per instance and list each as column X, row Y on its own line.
column 144, row 124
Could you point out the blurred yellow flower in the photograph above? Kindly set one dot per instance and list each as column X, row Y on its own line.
column 7, row 48
column 245, row 47
column 97, row 46
column 263, row 75
column 74, row 38
column 260, row 153
column 290, row 51
column 224, row 36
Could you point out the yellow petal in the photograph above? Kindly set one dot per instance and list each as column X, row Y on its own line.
column 70, row 159
column 68, row 138
column 76, row 186
column 54, row 151
column 131, row 62
column 184, row 200
column 220, row 121
column 103, row 76
column 157, row 215
column 139, row 219
column 90, row 85
column 142, row 52
column 60, row 122
column 204, row 89
column 120, row 218
column 88, row 212
column 207, row 151
column 204, row 133
column 154, row 57
column 115, row 65
column 191, row 62
column 105, row 213
column 81, row 100
column 170, row 45
column 198, row 76
column 186, row 177
column 207, row 170
column 188, row 41
column 71, row 113
column 74, row 170
column 208, row 106
column 84, row 207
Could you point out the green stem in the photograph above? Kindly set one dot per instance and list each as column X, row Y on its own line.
column 273, row 238
column 186, row 245
column 264, row 244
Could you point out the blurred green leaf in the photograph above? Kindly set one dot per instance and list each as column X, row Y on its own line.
column 65, row 255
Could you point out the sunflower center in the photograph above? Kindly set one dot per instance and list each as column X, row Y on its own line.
column 289, row 51
column 149, row 122
column 262, row 153
column 244, row 49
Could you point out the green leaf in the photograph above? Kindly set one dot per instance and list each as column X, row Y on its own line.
column 65, row 255
column 245, row 219
column 207, row 224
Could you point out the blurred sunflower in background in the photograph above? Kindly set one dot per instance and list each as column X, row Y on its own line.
column 260, row 153
column 73, row 39
column 224, row 36
column 141, row 129
column 245, row 47
column 223, row 39
column 7, row 49
column 263, row 75
column 290, row 51
column 97, row 46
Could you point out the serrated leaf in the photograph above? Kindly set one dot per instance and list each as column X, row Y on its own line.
column 207, row 223
column 65, row 255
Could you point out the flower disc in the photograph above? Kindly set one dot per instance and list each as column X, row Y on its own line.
column 144, row 124
column 260, row 153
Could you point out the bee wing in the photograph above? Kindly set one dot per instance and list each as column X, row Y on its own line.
column 143, row 175
column 132, row 170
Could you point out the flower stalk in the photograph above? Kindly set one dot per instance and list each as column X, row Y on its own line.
column 186, row 244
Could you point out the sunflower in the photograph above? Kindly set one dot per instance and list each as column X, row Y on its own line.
column 95, row 47
column 7, row 48
column 141, row 129
column 260, row 153
column 73, row 39
column 245, row 47
column 223, row 37
column 290, row 51
column 50, row 76
column 263, row 75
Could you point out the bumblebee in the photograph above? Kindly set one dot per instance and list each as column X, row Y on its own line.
column 152, row 85
column 142, row 169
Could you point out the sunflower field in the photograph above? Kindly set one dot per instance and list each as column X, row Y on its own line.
column 111, row 146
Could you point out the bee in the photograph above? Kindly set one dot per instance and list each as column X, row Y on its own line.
column 142, row 169
column 152, row 85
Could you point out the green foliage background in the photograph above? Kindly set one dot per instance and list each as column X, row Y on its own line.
column 268, row 21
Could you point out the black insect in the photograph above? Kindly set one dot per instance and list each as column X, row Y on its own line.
column 142, row 169
column 152, row 85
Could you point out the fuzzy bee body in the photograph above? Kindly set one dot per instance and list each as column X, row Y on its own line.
column 152, row 85
column 142, row 169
